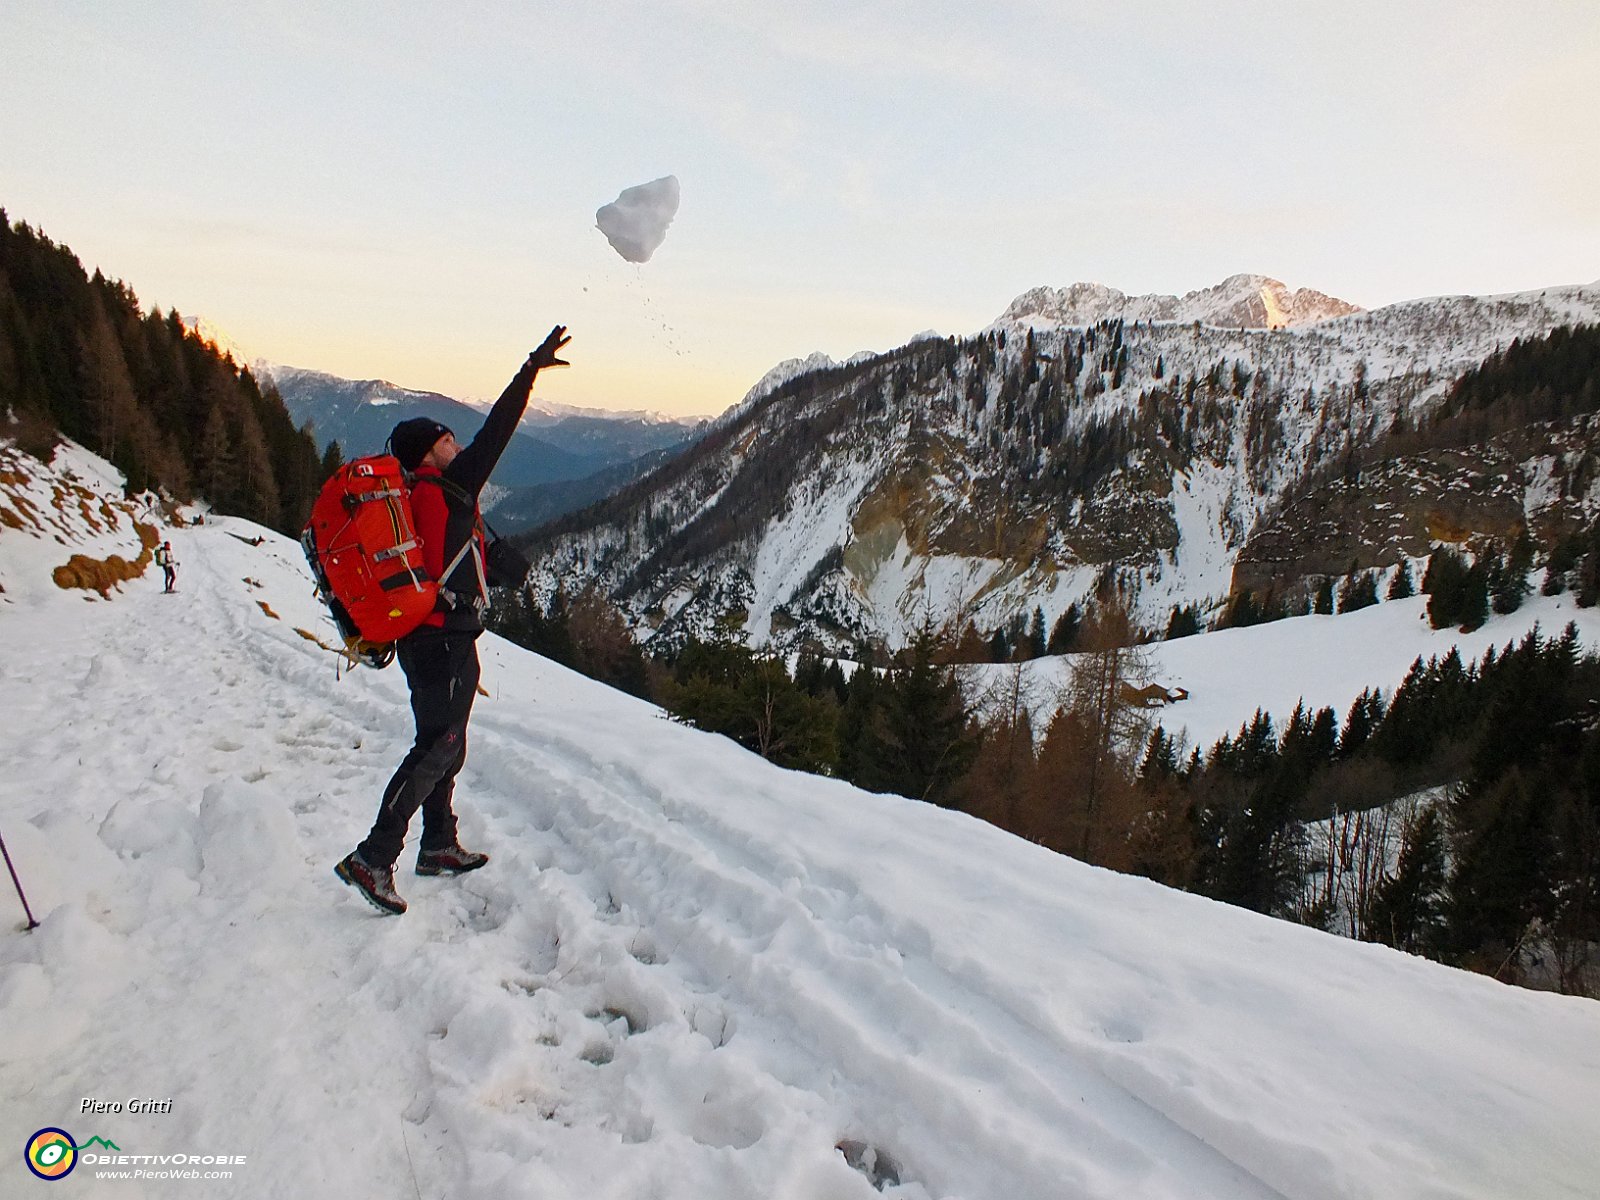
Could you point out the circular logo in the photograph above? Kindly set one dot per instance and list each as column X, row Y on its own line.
column 50, row 1154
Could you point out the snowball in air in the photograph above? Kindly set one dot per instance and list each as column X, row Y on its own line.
column 635, row 223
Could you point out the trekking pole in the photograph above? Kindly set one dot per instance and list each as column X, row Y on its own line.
column 32, row 924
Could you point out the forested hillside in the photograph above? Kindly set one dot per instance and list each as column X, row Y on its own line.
column 80, row 357
column 1505, row 465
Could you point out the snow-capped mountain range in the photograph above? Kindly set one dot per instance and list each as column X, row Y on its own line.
column 1083, row 433
column 563, row 457
column 381, row 391
column 555, row 443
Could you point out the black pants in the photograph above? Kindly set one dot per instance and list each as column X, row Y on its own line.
column 442, row 669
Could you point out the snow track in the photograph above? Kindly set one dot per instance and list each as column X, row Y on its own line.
column 685, row 973
column 817, row 966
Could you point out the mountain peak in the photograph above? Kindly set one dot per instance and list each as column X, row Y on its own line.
column 1239, row 301
column 219, row 339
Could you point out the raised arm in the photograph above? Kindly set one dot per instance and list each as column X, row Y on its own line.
column 476, row 462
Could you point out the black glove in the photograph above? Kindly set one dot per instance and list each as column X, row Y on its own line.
column 545, row 355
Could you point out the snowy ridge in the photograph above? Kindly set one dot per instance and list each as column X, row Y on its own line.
column 377, row 393
column 381, row 393
column 789, row 368
column 793, row 368
column 686, row 973
column 549, row 411
column 1242, row 301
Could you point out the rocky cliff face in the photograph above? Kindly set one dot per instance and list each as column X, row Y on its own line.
column 1537, row 480
column 978, row 479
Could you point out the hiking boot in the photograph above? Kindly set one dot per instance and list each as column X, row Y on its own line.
column 450, row 860
column 375, row 883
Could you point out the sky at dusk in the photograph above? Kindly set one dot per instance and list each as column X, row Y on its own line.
column 408, row 191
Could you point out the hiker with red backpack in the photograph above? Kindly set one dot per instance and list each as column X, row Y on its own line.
column 440, row 657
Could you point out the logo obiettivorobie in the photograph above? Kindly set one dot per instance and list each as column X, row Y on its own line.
column 51, row 1153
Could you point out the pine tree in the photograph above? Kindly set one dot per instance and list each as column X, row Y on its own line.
column 1401, row 586
column 1242, row 610
column 1508, row 578
column 1406, row 909
column 1574, row 919
column 1183, row 622
column 1449, row 590
column 518, row 617
column 924, row 736
column 1064, row 635
column 1475, row 597
column 332, row 460
column 1037, row 641
column 215, row 469
column 1564, row 557
column 1256, row 748
column 1255, row 861
column 603, row 647
column 1587, row 582
column 1493, row 893
column 999, row 648
column 122, row 430
column 1365, row 713
column 860, row 743
column 1360, row 591
column 256, row 495
column 722, row 686
column 1160, row 757
column 1161, row 842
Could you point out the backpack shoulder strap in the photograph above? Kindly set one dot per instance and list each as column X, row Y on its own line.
column 470, row 546
column 454, row 490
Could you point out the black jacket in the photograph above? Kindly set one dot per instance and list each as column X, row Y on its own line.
column 447, row 516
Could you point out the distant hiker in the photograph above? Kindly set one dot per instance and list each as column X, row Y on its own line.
column 167, row 563
column 440, row 658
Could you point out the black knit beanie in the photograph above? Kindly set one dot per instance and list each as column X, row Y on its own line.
column 411, row 440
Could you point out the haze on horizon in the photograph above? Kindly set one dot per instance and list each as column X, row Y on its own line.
column 409, row 193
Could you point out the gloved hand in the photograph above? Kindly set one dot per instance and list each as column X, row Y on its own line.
column 545, row 355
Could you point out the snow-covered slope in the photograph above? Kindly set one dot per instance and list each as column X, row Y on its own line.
column 685, row 973
column 1318, row 661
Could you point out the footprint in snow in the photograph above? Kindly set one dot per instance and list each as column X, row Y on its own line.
column 879, row 1166
column 619, row 1020
column 644, row 952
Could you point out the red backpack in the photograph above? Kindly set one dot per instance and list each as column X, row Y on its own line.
column 363, row 550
